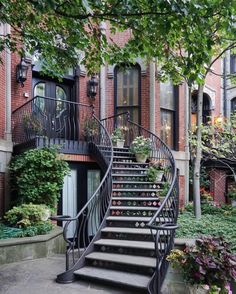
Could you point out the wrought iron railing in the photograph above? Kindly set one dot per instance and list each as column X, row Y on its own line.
column 163, row 223
column 88, row 223
column 55, row 121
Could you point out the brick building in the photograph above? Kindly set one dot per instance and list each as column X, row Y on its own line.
column 159, row 107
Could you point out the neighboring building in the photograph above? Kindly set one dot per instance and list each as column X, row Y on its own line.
column 221, row 176
column 160, row 107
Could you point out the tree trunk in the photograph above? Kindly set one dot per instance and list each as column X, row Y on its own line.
column 198, row 156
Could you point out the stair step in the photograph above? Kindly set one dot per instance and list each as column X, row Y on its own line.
column 135, row 190
column 127, row 164
column 119, row 148
column 128, row 218
column 131, row 168
column 137, row 182
column 133, row 208
column 128, row 156
column 126, row 230
column 120, row 278
column 155, row 198
column 126, row 259
column 126, row 243
column 128, row 175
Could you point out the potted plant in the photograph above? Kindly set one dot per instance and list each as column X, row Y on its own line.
column 155, row 171
column 31, row 124
column 90, row 128
column 117, row 138
column 232, row 195
column 209, row 266
column 141, row 147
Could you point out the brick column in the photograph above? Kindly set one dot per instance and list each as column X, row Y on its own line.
column 218, row 184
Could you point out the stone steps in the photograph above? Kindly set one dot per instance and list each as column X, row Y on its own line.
column 127, row 230
column 123, row 259
column 125, row 243
column 122, row 279
column 125, row 253
column 154, row 198
column 117, row 207
column 137, row 182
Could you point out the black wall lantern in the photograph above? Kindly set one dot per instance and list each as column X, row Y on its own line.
column 21, row 72
column 92, row 87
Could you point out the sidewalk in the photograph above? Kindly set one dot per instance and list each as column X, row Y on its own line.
column 38, row 277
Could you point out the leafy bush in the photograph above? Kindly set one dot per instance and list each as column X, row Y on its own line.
column 210, row 262
column 90, row 127
column 39, row 229
column 141, row 145
column 117, row 135
column 222, row 224
column 27, row 215
column 37, row 176
column 165, row 189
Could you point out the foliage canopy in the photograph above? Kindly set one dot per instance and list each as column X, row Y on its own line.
column 183, row 35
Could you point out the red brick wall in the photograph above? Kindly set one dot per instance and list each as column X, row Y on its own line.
column 17, row 91
column 145, row 105
column 218, row 184
column 2, row 96
column 2, row 193
column 214, row 82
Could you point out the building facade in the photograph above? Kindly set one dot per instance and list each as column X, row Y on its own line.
column 159, row 107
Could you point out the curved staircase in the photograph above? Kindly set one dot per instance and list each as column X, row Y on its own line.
column 125, row 253
column 136, row 231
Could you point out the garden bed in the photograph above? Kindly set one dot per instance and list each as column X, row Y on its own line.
column 214, row 221
column 19, row 249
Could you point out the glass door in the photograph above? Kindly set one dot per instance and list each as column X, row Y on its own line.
column 51, row 105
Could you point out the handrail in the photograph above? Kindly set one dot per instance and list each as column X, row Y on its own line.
column 47, row 121
column 91, row 218
column 53, row 99
column 115, row 115
column 163, row 222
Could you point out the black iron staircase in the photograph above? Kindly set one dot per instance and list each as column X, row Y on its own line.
column 125, row 253
column 135, row 230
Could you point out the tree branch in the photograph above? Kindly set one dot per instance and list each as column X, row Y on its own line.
column 102, row 15
column 233, row 45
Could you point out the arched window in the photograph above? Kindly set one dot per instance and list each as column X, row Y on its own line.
column 127, row 92
column 233, row 105
column 206, row 111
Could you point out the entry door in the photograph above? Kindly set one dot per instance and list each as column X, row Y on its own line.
column 53, row 110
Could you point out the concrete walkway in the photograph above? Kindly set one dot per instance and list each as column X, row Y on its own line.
column 38, row 277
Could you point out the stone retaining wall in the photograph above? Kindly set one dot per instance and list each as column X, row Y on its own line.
column 19, row 249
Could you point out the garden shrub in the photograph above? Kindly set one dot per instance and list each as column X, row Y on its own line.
column 39, row 229
column 37, row 176
column 222, row 224
column 27, row 215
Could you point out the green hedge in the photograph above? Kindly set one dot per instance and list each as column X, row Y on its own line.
column 39, row 229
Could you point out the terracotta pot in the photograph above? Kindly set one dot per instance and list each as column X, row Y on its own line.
column 140, row 157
